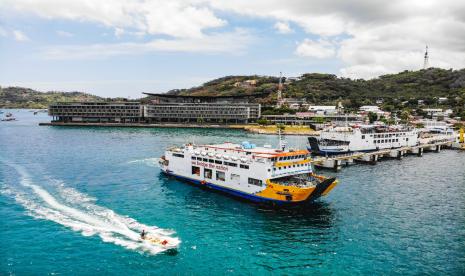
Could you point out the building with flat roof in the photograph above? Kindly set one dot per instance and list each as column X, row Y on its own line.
column 200, row 109
column 96, row 112
column 323, row 109
column 160, row 108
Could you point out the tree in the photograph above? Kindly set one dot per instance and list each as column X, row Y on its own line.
column 281, row 126
column 372, row 117
column 404, row 116
column 319, row 120
column 262, row 121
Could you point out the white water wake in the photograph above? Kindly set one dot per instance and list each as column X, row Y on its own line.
column 151, row 162
column 79, row 212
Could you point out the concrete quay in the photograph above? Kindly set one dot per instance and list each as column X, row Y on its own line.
column 337, row 162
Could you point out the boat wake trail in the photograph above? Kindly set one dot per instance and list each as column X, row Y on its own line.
column 152, row 162
column 77, row 211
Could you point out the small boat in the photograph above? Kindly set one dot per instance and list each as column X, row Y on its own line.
column 9, row 115
column 9, row 119
column 164, row 242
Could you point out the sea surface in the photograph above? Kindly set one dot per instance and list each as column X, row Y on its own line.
column 73, row 200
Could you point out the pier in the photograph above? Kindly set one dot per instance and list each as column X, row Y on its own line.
column 337, row 162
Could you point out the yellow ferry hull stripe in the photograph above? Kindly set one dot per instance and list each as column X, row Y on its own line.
column 330, row 188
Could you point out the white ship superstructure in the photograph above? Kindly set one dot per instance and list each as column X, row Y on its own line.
column 363, row 138
column 260, row 174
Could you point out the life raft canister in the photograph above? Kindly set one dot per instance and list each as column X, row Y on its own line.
column 164, row 242
column 203, row 182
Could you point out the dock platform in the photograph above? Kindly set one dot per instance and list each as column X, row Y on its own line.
column 337, row 162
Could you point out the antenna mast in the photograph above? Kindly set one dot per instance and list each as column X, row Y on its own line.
column 426, row 61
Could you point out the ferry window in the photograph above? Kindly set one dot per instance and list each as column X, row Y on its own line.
column 218, row 162
column 269, row 170
column 205, row 160
column 235, row 176
column 279, row 168
column 194, row 158
column 363, row 136
column 244, row 166
column 211, row 161
column 220, row 176
column 254, row 181
column 406, row 139
column 207, row 173
column 274, row 169
column 196, row 170
column 178, row 155
column 230, row 164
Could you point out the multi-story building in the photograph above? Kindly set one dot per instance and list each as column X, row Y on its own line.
column 97, row 112
column 200, row 109
column 160, row 108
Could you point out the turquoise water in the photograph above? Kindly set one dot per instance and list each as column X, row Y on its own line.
column 72, row 198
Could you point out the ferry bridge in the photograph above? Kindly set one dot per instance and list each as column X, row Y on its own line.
column 336, row 162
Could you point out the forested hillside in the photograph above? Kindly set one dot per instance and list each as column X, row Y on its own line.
column 395, row 91
column 18, row 97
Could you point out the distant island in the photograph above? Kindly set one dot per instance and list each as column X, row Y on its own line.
column 391, row 92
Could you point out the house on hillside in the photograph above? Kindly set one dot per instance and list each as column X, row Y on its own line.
column 246, row 83
column 322, row 109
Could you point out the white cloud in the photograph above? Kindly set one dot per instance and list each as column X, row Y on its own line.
column 370, row 37
column 321, row 48
column 173, row 18
column 373, row 37
column 20, row 36
column 233, row 42
column 64, row 34
column 119, row 32
column 283, row 27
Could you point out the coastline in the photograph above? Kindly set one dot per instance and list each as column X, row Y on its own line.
column 267, row 130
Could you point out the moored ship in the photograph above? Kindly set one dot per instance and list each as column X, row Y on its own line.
column 277, row 177
column 363, row 138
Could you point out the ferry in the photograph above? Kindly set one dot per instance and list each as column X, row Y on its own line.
column 362, row 138
column 275, row 177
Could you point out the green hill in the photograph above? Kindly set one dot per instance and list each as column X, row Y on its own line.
column 18, row 97
column 395, row 91
column 327, row 88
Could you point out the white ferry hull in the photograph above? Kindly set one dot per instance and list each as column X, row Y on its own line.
column 263, row 175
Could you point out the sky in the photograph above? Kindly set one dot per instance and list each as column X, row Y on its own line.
column 123, row 48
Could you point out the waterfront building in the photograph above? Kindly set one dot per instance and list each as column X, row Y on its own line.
column 200, row 109
column 161, row 108
column 310, row 118
column 369, row 108
column 323, row 109
column 96, row 112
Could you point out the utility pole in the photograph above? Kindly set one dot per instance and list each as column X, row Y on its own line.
column 280, row 89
